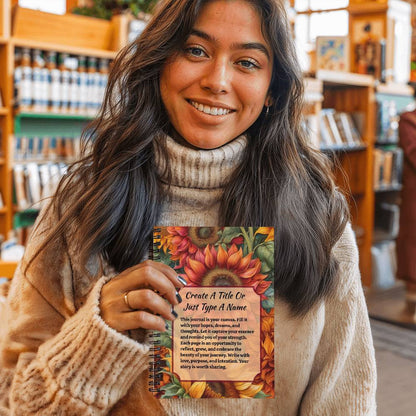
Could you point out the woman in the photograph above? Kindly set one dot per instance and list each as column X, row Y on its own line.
column 201, row 126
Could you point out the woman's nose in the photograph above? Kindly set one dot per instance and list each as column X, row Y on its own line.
column 217, row 77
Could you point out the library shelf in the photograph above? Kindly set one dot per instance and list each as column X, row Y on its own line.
column 72, row 50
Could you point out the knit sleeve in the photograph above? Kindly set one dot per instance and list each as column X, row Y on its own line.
column 343, row 376
column 64, row 361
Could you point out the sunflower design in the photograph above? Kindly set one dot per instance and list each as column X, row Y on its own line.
column 185, row 242
column 220, row 389
column 225, row 268
column 267, row 352
column 269, row 231
column 163, row 240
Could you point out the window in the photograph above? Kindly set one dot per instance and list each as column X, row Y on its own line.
column 56, row 6
column 318, row 18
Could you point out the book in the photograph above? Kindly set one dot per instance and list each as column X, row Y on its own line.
column 222, row 342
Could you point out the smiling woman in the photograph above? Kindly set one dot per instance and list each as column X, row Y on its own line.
column 226, row 69
column 201, row 127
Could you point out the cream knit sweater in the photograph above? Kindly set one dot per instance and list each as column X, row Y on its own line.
column 64, row 360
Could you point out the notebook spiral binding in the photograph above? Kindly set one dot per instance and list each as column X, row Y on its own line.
column 155, row 364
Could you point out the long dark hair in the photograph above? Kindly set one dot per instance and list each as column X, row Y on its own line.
column 111, row 199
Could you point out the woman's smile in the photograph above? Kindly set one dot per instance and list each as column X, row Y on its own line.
column 215, row 88
column 213, row 110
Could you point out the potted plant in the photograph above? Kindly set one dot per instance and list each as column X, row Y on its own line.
column 106, row 9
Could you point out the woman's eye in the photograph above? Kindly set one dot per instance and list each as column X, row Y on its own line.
column 194, row 51
column 247, row 64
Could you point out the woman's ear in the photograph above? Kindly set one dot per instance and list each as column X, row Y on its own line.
column 269, row 101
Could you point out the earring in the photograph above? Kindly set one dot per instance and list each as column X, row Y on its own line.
column 267, row 110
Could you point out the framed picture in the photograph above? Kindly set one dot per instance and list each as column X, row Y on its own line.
column 332, row 53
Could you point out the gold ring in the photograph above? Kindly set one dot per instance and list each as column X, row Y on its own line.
column 126, row 301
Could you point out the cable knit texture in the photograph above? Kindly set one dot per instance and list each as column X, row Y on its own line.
column 60, row 358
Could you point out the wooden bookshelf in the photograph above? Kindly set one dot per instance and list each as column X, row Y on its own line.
column 53, row 46
column 354, row 94
column 71, row 34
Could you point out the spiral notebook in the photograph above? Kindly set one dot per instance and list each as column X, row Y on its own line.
column 222, row 342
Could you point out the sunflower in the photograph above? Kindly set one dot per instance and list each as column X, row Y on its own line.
column 231, row 389
column 195, row 389
column 164, row 240
column 185, row 242
column 266, row 374
column 225, row 268
column 269, row 231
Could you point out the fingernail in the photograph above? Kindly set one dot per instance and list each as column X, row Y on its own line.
column 178, row 296
column 182, row 280
column 174, row 312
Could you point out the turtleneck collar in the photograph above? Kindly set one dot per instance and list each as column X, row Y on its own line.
column 202, row 169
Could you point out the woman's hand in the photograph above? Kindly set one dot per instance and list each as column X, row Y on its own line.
column 142, row 296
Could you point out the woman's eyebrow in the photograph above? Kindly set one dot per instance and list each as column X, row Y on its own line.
column 249, row 45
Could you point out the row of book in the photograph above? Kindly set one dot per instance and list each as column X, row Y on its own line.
column 58, row 82
column 33, row 183
column 47, row 148
column 388, row 167
column 333, row 129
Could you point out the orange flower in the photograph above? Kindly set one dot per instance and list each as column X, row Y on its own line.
column 266, row 374
column 225, row 268
column 269, row 231
column 165, row 241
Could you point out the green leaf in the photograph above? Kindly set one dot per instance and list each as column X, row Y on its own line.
column 261, row 395
column 265, row 252
column 171, row 390
column 267, row 304
column 269, row 292
column 175, row 380
column 229, row 234
column 165, row 340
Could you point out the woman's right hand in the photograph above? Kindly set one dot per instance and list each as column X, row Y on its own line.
column 142, row 296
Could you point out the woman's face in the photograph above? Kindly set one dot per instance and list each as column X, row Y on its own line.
column 216, row 87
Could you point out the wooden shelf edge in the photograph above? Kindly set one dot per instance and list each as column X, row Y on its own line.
column 3, row 40
column 364, row 8
column 345, row 78
column 7, row 268
column 395, row 89
column 74, row 50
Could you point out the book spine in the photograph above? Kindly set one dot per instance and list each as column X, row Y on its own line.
column 155, row 363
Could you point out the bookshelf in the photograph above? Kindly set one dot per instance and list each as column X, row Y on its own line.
column 70, row 34
column 5, row 117
column 392, row 99
column 354, row 94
